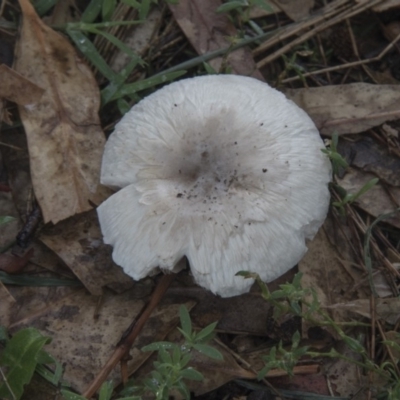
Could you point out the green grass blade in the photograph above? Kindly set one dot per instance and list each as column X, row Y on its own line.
column 92, row 11
column 67, row 395
column 91, row 53
column 132, row 88
column 42, row 6
column 119, row 44
column 26, row 280
column 186, row 322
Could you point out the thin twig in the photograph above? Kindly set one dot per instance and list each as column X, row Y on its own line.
column 293, row 29
column 350, row 12
column 348, row 65
column 126, row 343
column 388, row 349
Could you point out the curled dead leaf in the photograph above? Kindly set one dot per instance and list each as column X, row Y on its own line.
column 62, row 126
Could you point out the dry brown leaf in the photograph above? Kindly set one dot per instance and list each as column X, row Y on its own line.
column 46, row 259
column 386, row 309
column 295, row 9
column 16, row 160
column 8, row 231
column 7, row 303
column 63, row 12
column 79, row 243
column 381, row 78
column 31, row 301
column 257, row 12
column 345, row 378
column 377, row 200
column 64, row 135
column 394, row 337
column 216, row 373
column 247, row 313
column 84, row 335
column 370, row 156
column 16, row 88
column 208, row 31
column 351, row 108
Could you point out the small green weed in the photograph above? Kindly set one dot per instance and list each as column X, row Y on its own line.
column 171, row 369
column 288, row 299
column 22, row 355
column 339, row 162
column 336, row 158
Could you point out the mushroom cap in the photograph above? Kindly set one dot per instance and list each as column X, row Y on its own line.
column 222, row 169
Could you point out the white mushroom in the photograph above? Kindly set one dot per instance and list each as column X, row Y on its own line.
column 222, row 169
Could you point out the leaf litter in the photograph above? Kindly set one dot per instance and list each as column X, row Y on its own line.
column 334, row 266
column 62, row 126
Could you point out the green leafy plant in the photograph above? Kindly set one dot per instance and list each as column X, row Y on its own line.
column 332, row 152
column 293, row 299
column 339, row 162
column 95, row 21
column 172, row 366
column 348, row 198
column 22, row 355
column 283, row 359
column 171, row 369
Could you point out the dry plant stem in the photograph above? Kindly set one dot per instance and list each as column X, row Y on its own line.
column 345, row 76
column 353, row 39
column 124, row 369
column 362, row 227
column 273, row 373
column 372, row 310
column 123, row 12
column 293, row 29
column 322, row 52
column 373, row 322
column 348, row 65
column 126, row 343
column 248, row 365
column 297, row 370
column 324, row 25
column 2, row 7
column 388, row 349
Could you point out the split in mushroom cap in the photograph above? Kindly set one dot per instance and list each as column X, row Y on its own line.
column 222, row 169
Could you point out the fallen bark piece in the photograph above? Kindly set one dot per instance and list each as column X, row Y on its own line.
column 65, row 139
